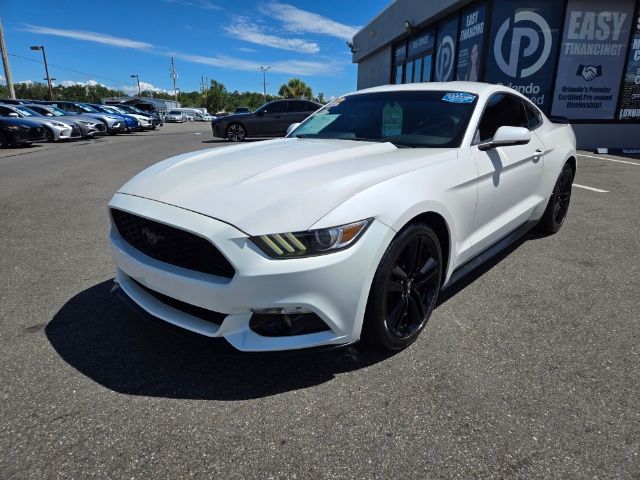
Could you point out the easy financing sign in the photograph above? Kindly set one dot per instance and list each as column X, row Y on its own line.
column 592, row 56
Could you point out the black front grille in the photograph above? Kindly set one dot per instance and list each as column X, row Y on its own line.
column 101, row 127
column 171, row 245
column 75, row 131
column 203, row 313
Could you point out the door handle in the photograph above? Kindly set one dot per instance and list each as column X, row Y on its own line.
column 539, row 150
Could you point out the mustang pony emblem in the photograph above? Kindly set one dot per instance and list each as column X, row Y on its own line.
column 152, row 237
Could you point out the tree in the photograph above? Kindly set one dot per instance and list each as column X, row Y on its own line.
column 295, row 88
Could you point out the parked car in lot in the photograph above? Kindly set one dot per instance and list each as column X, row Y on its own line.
column 155, row 117
column 348, row 228
column 144, row 120
column 89, row 126
column 175, row 116
column 20, row 131
column 270, row 120
column 55, row 129
column 131, row 123
column 114, row 124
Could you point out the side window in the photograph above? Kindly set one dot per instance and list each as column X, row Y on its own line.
column 4, row 111
column 275, row 107
column 502, row 110
column 294, row 106
column 533, row 116
column 311, row 107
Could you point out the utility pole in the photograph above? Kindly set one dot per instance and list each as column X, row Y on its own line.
column 174, row 76
column 46, row 68
column 5, row 62
column 137, row 77
column 264, row 71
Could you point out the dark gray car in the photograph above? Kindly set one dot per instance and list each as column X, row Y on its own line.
column 270, row 120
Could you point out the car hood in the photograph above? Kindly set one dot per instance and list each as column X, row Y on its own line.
column 278, row 185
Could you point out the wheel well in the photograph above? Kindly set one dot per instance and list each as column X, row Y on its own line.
column 439, row 226
column 572, row 162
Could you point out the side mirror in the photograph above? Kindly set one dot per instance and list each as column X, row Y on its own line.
column 13, row 115
column 292, row 127
column 507, row 136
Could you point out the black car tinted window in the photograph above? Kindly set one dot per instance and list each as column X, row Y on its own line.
column 5, row 111
column 501, row 110
column 275, row 107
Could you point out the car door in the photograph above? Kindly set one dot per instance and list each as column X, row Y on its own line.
column 269, row 121
column 508, row 176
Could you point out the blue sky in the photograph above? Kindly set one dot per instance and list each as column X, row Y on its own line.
column 224, row 40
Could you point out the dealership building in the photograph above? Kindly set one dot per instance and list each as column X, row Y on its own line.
column 578, row 59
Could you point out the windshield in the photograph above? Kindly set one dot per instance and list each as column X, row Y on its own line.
column 88, row 109
column 116, row 109
column 173, row 112
column 426, row 119
column 58, row 112
column 27, row 112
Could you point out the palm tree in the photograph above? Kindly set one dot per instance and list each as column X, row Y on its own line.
column 295, row 88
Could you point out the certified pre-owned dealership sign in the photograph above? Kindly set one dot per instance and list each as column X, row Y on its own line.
column 524, row 42
column 592, row 55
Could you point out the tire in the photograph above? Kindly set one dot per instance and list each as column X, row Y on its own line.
column 405, row 289
column 558, row 206
column 236, row 133
column 48, row 133
column 4, row 141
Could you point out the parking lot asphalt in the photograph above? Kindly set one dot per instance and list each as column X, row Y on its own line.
column 529, row 368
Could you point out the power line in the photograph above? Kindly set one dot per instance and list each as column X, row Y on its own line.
column 121, row 82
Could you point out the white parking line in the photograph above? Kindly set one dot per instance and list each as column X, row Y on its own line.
column 593, row 189
column 609, row 159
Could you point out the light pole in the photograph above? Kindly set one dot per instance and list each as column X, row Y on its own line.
column 137, row 77
column 46, row 68
column 264, row 71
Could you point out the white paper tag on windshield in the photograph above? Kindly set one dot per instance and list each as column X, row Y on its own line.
column 391, row 120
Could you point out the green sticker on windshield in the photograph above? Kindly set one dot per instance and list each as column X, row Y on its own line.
column 391, row 120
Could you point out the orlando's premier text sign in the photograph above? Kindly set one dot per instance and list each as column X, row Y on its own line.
column 592, row 55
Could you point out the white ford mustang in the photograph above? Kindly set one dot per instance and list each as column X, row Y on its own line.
column 350, row 226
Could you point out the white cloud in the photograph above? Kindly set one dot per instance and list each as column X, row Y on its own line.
column 290, row 67
column 26, row 82
column 203, row 4
column 247, row 50
column 242, row 29
column 302, row 21
column 88, row 83
column 145, row 87
column 90, row 37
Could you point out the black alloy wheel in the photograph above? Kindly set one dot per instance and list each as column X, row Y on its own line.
column 405, row 289
column 558, row 206
column 236, row 132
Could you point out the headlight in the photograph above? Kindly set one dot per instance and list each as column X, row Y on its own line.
column 112, row 117
column 312, row 242
column 85, row 122
column 58, row 124
column 13, row 128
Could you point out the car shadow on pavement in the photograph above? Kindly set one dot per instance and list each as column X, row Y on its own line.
column 100, row 337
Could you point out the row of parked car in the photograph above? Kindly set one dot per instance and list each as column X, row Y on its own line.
column 28, row 121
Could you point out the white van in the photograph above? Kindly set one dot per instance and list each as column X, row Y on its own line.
column 195, row 114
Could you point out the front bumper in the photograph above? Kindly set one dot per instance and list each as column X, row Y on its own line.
column 335, row 287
